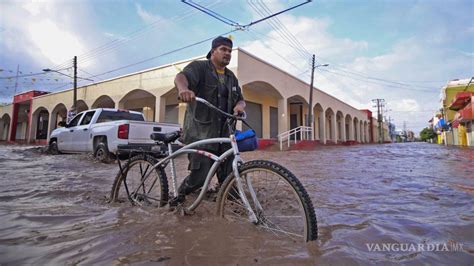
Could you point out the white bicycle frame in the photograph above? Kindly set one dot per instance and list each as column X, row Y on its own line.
column 192, row 148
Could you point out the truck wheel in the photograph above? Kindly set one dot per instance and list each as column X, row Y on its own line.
column 53, row 147
column 102, row 153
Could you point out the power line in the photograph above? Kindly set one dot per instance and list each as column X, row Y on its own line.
column 133, row 35
column 360, row 74
column 277, row 40
column 285, row 29
column 233, row 23
column 275, row 14
column 85, row 72
column 28, row 75
column 163, row 54
column 282, row 57
column 111, row 45
column 291, row 39
column 380, row 79
column 277, row 30
column 211, row 13
column 405, row 87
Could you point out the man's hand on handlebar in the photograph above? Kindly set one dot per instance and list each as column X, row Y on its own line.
column 239, row 108
column 187, row 96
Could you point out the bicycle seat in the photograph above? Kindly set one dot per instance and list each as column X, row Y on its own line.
column 166, row 138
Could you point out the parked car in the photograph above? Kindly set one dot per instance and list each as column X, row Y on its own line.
column 103, row 131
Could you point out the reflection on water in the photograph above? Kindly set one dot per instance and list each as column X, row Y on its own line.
column 54, row 210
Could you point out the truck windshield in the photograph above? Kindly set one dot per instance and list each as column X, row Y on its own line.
column 107, row 116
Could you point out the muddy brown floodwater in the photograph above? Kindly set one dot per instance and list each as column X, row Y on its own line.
column 376, row 204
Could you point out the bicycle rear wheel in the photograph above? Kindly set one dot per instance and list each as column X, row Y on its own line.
column 141, row 183
column 286, row 209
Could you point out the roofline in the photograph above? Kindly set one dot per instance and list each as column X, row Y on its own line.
column 131, row 74
column 193, row 59
column 30, row 91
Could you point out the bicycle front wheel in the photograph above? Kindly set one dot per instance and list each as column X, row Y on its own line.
column 282, row 205
column 140, row 183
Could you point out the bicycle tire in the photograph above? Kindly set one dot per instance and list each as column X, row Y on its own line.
column 231, row 207
column 128, row 184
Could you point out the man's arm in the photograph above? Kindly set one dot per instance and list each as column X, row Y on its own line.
column 182, row 84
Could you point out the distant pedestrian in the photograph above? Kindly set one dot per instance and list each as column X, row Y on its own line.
column 71, row 114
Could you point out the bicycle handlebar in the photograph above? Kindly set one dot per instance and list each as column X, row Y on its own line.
column 243, row 115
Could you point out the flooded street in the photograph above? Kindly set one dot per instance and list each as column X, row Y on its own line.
column 55, row 210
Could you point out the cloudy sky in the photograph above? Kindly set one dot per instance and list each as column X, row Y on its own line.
column 402, row 51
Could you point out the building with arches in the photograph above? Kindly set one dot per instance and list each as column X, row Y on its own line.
column 276, row 102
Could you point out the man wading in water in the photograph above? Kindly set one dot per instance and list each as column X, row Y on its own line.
column 212, row 81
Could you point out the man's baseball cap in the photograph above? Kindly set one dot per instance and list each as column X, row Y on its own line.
column 218, row 42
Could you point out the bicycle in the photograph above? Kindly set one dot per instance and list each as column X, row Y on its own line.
column 262, row 192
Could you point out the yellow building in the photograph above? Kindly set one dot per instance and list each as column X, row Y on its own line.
column 458, row 133
column 276, row 103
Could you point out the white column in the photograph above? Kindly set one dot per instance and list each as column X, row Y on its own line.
column 322, row 122
column 32, row 125
column 315, row 125
column 333, row 128
column 367, row 137
column 351, row 129
column 160, row 108
column 343, row 129
column 283, row 116
column 357, row 130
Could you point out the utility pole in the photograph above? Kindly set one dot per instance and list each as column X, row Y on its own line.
column 381, row 122
column 380, row 105
column 75, row 82
column 73, row 111
column 310, row 107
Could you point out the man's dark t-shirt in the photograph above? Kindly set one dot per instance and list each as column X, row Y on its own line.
column 200, row 122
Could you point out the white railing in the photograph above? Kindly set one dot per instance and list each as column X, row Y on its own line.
column 302, row 132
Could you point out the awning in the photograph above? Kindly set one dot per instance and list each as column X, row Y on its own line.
column 466, row 114
column 462, row 98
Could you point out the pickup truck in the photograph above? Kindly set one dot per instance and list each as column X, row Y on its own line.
column 103, row 131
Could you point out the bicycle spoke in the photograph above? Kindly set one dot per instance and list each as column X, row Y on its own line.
column 126, row 188
column 144, row 177
column 141, row 183
column 152, row 185
column 270, row 223
column 282, row 200
column 294, row 217
column 142, row 174
column 265, row 226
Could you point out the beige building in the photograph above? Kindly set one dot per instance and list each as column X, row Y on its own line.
column 276, row 103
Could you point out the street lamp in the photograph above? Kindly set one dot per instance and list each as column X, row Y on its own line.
column 310, row 115
column 75, row 77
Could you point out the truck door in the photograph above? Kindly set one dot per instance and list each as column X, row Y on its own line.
column 65, row 139
column 81, row 133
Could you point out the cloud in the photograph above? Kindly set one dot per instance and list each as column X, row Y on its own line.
column 395, row 74
column 146, row 16
column 276, row 49
column 54, row 43
column 315, row 34
column 41, row 30
column 406, row 105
